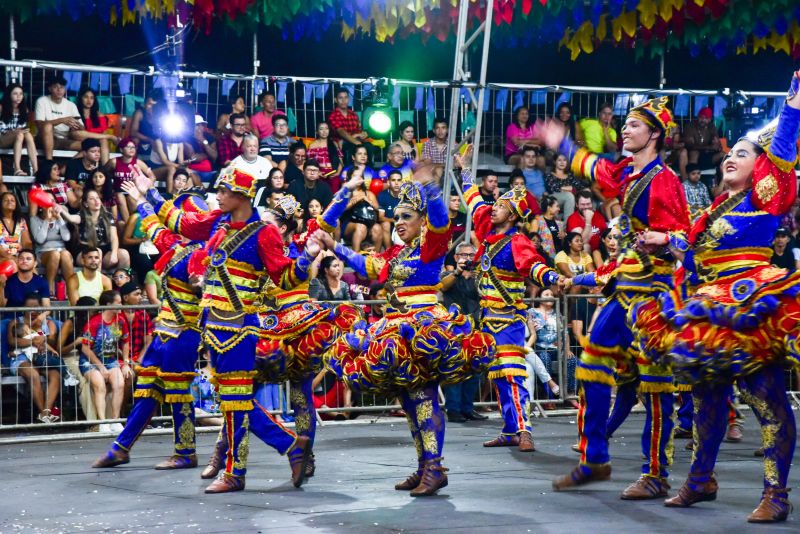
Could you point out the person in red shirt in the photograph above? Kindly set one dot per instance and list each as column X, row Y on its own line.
column 346, row 126
column 587, row 222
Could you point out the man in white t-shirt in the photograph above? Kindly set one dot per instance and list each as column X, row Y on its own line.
column 250, row 162
column 59, row 123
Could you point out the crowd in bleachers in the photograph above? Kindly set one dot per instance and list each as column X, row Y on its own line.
column 89, row 247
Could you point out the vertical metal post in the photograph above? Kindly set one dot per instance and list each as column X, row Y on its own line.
column 662, row 80
column 256, row 62
column 11, row 72
column 461, row 74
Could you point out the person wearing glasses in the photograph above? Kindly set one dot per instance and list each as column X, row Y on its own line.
column 229, row 146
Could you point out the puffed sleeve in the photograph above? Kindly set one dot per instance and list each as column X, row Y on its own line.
column 195, row 226
column 774, row 178
column 529, row 263
column 585, row 164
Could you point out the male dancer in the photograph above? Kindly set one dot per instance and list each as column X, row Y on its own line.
column 242, row 261
column 168, row 367
column 506, row 259
column 652, row 197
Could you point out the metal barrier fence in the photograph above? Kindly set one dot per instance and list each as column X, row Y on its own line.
column 309, row 101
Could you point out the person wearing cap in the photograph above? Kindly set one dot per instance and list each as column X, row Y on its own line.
column 784, row 255
column 652, row 198
column 59, row 123
column 507, row 259
column 166, row 369
column 419, row 344
column 702, row 140
column 740, row 324
column 296, row 332
column 243, row 260
column 201, row 150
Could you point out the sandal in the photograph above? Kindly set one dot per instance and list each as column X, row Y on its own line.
column 20, row 172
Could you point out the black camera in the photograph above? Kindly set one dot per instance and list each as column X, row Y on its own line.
column 468, row 266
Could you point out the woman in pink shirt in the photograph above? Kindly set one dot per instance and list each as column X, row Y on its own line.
column 518, row 134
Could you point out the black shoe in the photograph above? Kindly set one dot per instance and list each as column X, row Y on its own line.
column 456, row 417
column 474, row 416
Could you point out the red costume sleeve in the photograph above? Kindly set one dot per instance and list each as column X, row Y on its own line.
column 435, row 244
column 270, row 250
column 525, row 254
column 668, row 210
column 482, row 222
column 774, row 189
column 194, row 226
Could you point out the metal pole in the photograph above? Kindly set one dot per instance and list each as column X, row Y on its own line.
column 11, row 74
column 256, row 62
column 662, row 80
column 476, row 138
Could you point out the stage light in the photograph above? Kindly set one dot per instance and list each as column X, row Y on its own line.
column 172, row 125
column 379, row 121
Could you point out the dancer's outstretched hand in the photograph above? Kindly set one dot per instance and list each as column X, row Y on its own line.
column 131, row 189
column 324, row 239
column 313, row 247
column 793, row 96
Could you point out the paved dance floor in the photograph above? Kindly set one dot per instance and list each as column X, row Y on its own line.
column 49, row 487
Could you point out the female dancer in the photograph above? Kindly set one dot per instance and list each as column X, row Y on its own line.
column 418, row 344
column 741, row 323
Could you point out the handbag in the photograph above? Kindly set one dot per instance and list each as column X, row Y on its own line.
column 364, row 213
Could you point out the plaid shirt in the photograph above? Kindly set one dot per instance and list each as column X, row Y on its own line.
column 59, row 191
column 351, row 124
column 227, row 150
column 432, row 152
column 141, row 325
column 697, row 195
column 17, row 121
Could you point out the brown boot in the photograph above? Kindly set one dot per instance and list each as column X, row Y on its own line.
column 226, row 483
column 646, row 487
column 502, row 441
column 412, row 481
column 433, row 479
column 687, row 496
column 774, row 506
column 526, row 442
column 582, row 475
column 311, row 466
column 298, row 459
column 216, row 461
column 112, row 458
column 177, row 461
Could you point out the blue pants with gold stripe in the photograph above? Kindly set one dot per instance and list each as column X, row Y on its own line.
column 508, row 372
column 165, row 375
column 765, row 392
column 610, row 348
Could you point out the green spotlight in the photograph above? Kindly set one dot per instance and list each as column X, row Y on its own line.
column 379, row 121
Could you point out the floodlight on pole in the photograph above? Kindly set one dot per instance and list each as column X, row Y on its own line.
column 379, row 121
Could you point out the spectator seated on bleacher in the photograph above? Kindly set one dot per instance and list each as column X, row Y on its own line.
column 144, row 127
column 489, row 188
column 32, row 339
column 25, row 282
column 519, row 134
column 562, row 185
column 100, row 182
column 79, row 170
column 697, row 195
column 94, row 122
column 14, row 130
column 310, row 187
column 387, row 202
column 360, row 160
column 89, row 282
column 293, row 167
column 51, row 233
column 598, row 135
column 69, row 342
column 435, row 149
column 360, row 219
column 105, row 358
column 531, row 166
column 276, row 147
column 261, row 122
column 201, row 150
column 406, row 133
column 229, row 146
column 237, row 106
column 395, row 161
column 250, row 162
column 328, row 154
column 50, row 179
column 346, row 126
column 125, row 168
column 702, row 140
column 587, row 222
column 59, row 122
column 517, row 180
column 97, row 230
column 14, row 234
column 165, row 158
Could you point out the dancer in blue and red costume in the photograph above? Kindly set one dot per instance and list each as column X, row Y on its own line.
column 741, row 324
column 418, row 344
column 652, row 197
column 296, row 332
column 506, row 259
column 242, row 262
column 167, row 369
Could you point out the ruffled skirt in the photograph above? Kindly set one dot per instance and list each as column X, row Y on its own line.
column 727, row 329
column 406, row 351
column 294, row 339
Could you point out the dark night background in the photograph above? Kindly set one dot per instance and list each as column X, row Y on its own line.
column 91, row 41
